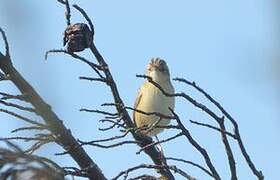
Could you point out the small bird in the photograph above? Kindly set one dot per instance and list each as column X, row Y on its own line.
column 151, row 99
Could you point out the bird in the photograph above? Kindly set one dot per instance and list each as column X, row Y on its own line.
column 151, row 99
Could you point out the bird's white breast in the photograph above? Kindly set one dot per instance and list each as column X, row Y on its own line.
column 153, row 100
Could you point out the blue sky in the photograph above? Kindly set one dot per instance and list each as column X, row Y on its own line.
column 230, row 48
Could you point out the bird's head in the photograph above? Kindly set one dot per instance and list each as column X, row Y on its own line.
column 158, row 70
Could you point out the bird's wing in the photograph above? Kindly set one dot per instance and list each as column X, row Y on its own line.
column 136, row 103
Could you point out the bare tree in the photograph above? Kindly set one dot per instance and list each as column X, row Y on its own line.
column 77, row 37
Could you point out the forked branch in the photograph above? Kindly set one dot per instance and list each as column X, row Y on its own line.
column 53, row 122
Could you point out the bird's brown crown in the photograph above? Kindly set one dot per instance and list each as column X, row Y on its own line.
column 158, row 64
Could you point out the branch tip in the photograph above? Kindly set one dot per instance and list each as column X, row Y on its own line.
column 85, row 16
column 7, row 54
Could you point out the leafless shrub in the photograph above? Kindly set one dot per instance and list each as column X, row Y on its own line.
column 77, row 37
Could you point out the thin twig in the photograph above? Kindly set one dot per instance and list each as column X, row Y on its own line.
column 233, row 121
column 218, row 119
column 21, row 97
column 191, row 163
column 105, row 140
column 56, row 126
column 153, row 152
column 99, row 112
column 95, row 145
column 68, row 12
column 4, row 77
column 93, row 79
column 160, row 142
column 183, row 95
column 21, row 117
column 29, row 128
column 109, row 146
column 19, row 161
column 140, row 111
column 114, row 124
column 85, row 16
column 198, row 147
column 37, row 145
column 94, row 66
column 23, row 138
column 7, row 54
column 214, row 128
column 18, row 106
column 144, row 177
column 148, row 166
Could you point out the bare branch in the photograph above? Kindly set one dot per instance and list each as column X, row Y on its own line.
column 152, row 151
column 95, row 143
column 4, row 77
column 61, row 135
column 183, row 95
column 93, row 79
column 66, row 140
column 114, row 124
column 67, row 13
column 21, row 117
column 18, row 106
column 160, row 142
column 229, row 152
column 29, row 128
column 16, row 162
column 144, row 177
column 24, row 138
column 168, row 127
column 99, row 112
column 191, row 163
column 140, row 111
column 202, row 151
column 37, row 145
column 148, row 166
column 236, row 128
column 94, row 66
column 75, row 171
column 105, row 140
column 85, row 16
column 214, row 128
column 7, row 54
column 109, row 146
column 219, row 120
column 21, row 97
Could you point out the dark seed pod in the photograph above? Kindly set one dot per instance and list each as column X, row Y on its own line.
column 77, row 37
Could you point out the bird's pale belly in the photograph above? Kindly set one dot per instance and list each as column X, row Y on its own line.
column 155, row 101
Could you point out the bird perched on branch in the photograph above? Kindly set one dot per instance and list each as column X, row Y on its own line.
column 150, row 99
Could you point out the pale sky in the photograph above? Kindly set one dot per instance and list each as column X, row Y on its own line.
column 230, row 48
